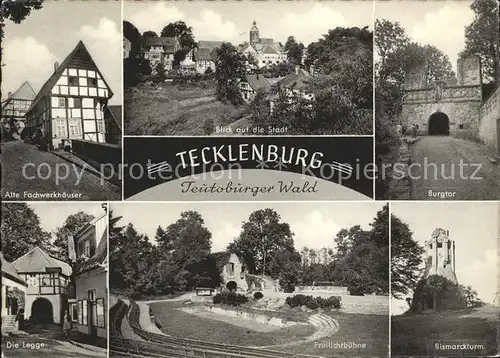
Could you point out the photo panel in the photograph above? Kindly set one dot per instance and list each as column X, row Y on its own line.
column 195, row 68
column 445, row 279
column 437, row 100
column 54, row 279
column 248, row 169
column 250, row 279
column 62, row 101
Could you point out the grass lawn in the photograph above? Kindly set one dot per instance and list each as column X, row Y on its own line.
column 415, row 334
column 181, row 324
column 166, row 109
column 371, row 330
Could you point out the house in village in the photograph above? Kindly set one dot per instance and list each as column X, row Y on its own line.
column 205, row 55
column 265, row 51
column 88, row 248
column 13, row 295
column 48, row 286
column 297, row 83
column 250, row 85
column 14, row 108
column 160, row 50
column 232, row 270
column 71, row 103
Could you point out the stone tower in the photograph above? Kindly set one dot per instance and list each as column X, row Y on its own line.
column 254, row 34
column 440, row 256
column 469, row 71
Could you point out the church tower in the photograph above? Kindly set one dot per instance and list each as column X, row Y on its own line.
column 440, row 255
column 254, row 34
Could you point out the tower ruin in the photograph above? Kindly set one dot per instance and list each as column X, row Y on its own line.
column 440, row 250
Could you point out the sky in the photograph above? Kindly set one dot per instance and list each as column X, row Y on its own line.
column 50, row 34
column 314, row 224
column 231, row 21
column 475, row 228
column 53, row 215
column 439, row 23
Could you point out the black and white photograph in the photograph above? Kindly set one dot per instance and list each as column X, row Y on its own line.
column 54, row 279
column 437, row 100
column 197, row 68
column 249, row 279
column 445, row 279
column 61, row 101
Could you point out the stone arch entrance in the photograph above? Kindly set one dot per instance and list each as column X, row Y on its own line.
column 439, row 124
column 231, row 285
column 42, row 311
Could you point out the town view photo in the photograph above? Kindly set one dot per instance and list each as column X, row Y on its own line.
column 445, row 279
column 61, row 101
column 227, row 68
column 54, row 279
column 437, row 100
column 249, row 279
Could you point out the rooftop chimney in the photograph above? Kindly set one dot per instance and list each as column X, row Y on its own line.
column 9, row 94
column 297, row 68
column 56, row 65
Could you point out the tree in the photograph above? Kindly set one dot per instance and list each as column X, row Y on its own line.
column 481, row 37
column 149, row 35
column 21, row 231
column 229, row 68
column 182, row 32
column 406, row 257
column 72, row 224
column 294, row 50
column 17, row 12
column 263, row 235
column 470, row 296
column 390, row 37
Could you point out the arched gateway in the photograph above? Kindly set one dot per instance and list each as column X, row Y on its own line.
column 42, row 311
column 439, row 124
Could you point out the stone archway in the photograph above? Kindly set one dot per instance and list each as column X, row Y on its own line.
column 232, row 286
column 42, row 311
column 439, row 124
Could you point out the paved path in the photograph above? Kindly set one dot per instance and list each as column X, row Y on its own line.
column 447, row 168
column 46, row 341
column 75, row 182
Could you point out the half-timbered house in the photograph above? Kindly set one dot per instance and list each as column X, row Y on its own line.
column 14, row 108
column 71, row 103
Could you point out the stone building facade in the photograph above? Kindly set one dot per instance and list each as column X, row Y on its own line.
column 441, row 107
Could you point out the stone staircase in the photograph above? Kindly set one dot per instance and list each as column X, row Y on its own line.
column 9, row 324
column 325, row 326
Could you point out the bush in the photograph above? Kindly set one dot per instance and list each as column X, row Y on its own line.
column 258, row 295
column 230, row 298
column 313, row 303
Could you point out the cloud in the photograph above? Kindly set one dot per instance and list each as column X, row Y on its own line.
column 211, row 25
column 315, row 231
column 104, row 42
column 223, row 235
column 481, row 274
column 154, row 17
column 445, row 29
column 23, row 59
column 309, row 26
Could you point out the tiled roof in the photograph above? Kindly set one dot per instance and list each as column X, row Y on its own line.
column 116, row 114
column 269, row 50
column 78, row 58
column 38, row 260
column 25, row 91
column 221, row 259
column 297, row 81
column 203, row 54
column 10, row 272
column 210, row 44
column 258, row 82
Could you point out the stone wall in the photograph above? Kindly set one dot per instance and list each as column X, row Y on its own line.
column 461, row 114
column 333, row 290
column 489, row 121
